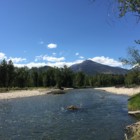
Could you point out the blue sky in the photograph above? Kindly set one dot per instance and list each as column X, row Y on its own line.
column 58, row 32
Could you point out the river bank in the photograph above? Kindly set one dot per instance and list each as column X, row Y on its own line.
column 43, row 91
column 28, row 93
column 121, row 90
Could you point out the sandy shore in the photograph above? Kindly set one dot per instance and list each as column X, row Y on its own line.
column 38, row 92
column 121, row 90
column 27, row 93
column 22, row 93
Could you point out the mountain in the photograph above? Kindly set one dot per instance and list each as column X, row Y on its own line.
column 91, row 68
column 40, row 69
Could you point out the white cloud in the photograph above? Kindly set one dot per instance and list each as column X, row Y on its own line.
column 52, row 64
column 81, row 57
column 77, row 54
column 31, row 64
column 54, row 53
column 2, row 56
column 106, row 61
column 37, row 58
column 49, row 58
column 52, row 46
column 14, row 59
column 61, row 64
column 53, row 59
column 17, row 59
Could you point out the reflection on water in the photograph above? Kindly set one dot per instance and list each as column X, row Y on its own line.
column 101, row 116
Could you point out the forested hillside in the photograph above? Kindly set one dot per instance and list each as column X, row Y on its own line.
column 11, row 76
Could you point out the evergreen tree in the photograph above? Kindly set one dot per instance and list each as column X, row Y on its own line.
column 3, row 73
column 132, row 78
column 67, row 75
column 35, row 78
column 79, row 79
column 10, row 73
column 22, row 77
column 58, row 77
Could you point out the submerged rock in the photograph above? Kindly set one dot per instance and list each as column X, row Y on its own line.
column 133, row 132
column 72, row 107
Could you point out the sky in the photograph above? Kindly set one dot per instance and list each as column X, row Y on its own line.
column 36, row 33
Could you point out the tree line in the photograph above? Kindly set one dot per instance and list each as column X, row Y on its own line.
column 11, row 76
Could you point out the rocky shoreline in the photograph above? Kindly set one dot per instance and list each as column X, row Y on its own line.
column 133, row 131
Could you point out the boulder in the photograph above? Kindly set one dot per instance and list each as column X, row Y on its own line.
column 72, row 107
column 133, row 132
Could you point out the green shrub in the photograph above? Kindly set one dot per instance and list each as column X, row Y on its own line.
column 134, row 102
column 3, row 90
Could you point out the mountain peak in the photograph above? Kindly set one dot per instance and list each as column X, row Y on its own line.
column 88, row 61
column 90, row 67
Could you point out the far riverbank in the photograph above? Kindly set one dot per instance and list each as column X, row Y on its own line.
column 28, row 93
column 43, row 91
column 121, row 90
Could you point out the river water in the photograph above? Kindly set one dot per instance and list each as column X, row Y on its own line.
column 102, row 116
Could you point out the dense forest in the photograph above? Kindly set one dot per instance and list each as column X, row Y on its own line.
column 11, row 76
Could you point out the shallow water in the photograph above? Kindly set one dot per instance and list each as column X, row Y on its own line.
column 102, row 116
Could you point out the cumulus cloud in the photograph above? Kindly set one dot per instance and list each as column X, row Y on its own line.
column 77, row 54
column 2, row 56
column 53, row 59
column 52, row 46
column 81, row 57
column 38, row 58
column 49, row 58
column 52, row 64
column 60, row 61
column 17, row 59
column 106, row 61
column 14, row 59
column 31, row 64
column 61, row 64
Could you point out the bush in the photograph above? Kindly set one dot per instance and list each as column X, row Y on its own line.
column 134, row 103
column 3, row 90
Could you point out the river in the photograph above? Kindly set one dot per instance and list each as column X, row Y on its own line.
column 102, row 116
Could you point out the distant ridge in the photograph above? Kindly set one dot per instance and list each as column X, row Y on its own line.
column 90, row 67
column 41, row 69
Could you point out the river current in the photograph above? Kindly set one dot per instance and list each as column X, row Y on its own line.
column 102, row 116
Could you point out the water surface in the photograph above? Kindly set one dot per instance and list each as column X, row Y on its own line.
column 102, row 116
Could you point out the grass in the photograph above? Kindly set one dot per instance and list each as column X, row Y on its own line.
column 134, row 103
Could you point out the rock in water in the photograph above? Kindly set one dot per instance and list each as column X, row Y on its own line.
column 72, row 107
